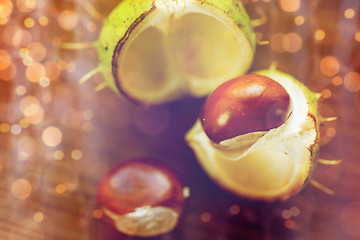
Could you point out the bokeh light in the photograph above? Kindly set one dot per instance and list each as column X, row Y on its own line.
column 352, row 81
column 329, row 66
column 21, row 189
column 319, row 34
column 35, row 72
column 349, row 13
column 68, row 19
column 350, row 219
column 52, row 136
column 290, row 5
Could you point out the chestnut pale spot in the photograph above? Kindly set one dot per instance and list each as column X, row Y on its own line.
column 249, row 103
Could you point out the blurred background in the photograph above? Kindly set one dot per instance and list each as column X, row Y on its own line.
column 59, row 138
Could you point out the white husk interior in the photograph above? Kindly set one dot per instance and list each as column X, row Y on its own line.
column 176, row 83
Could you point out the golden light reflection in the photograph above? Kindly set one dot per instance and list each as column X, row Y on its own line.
column 68, row 20
column 349, row 13
column 290, row 5
column 21, row 38
column 299, row 20
column 6, row 8
column 20, row 90
column 59, row 155
column 25, row 5
column 357, row 36
column 35, row 72
column 337, row 81
column 329, row 66
column 319, row 35
column 29, row 22
column 39, row 217
column 91, row 27
column 292, row 42
column 4, row 127
column 37, row 51
column 52, row 136
column 276, row 42
column 76, row 154
column 43, row 21
column 21, row 189
column 352, row 81
column 326, row 93
column 5, row 59
column 60, row 188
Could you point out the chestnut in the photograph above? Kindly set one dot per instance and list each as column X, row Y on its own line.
column 249, row 103
column 142, row 198
column 247, row 141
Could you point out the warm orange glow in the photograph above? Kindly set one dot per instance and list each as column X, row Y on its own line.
column 76, row 154
column 91, row 27
column 276, row 42
column 39, row 217
column 52, row 136
column 59, row 155
column 292, row 42
column 290, row 5
column 25, row 5
column 337, row 80
column 8, row 73
column 5, row 59
column 29, row 22
column 20, row 90
column 319, row 34
column 349, row 13
column 27, row 146
column 4, row 127
column 326, row 93
column 52, row 70
column 330, row 132
column 357, row 36
column 6, row 8
column 43, row 21
column 299, row 20
column 60, row 188
column 24, row 123
column 37, row 51
column 35, row 72
column 329, row 66
column 68, row 20
column 98, row 213
column 21, row 189
column 352, row 81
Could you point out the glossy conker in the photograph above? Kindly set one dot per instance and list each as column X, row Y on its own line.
column 141, row 198
column 246, row 104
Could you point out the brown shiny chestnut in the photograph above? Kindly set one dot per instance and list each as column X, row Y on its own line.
column 141, row 198
column 249, row 103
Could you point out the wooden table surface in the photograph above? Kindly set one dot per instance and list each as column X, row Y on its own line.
column 47, row 185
